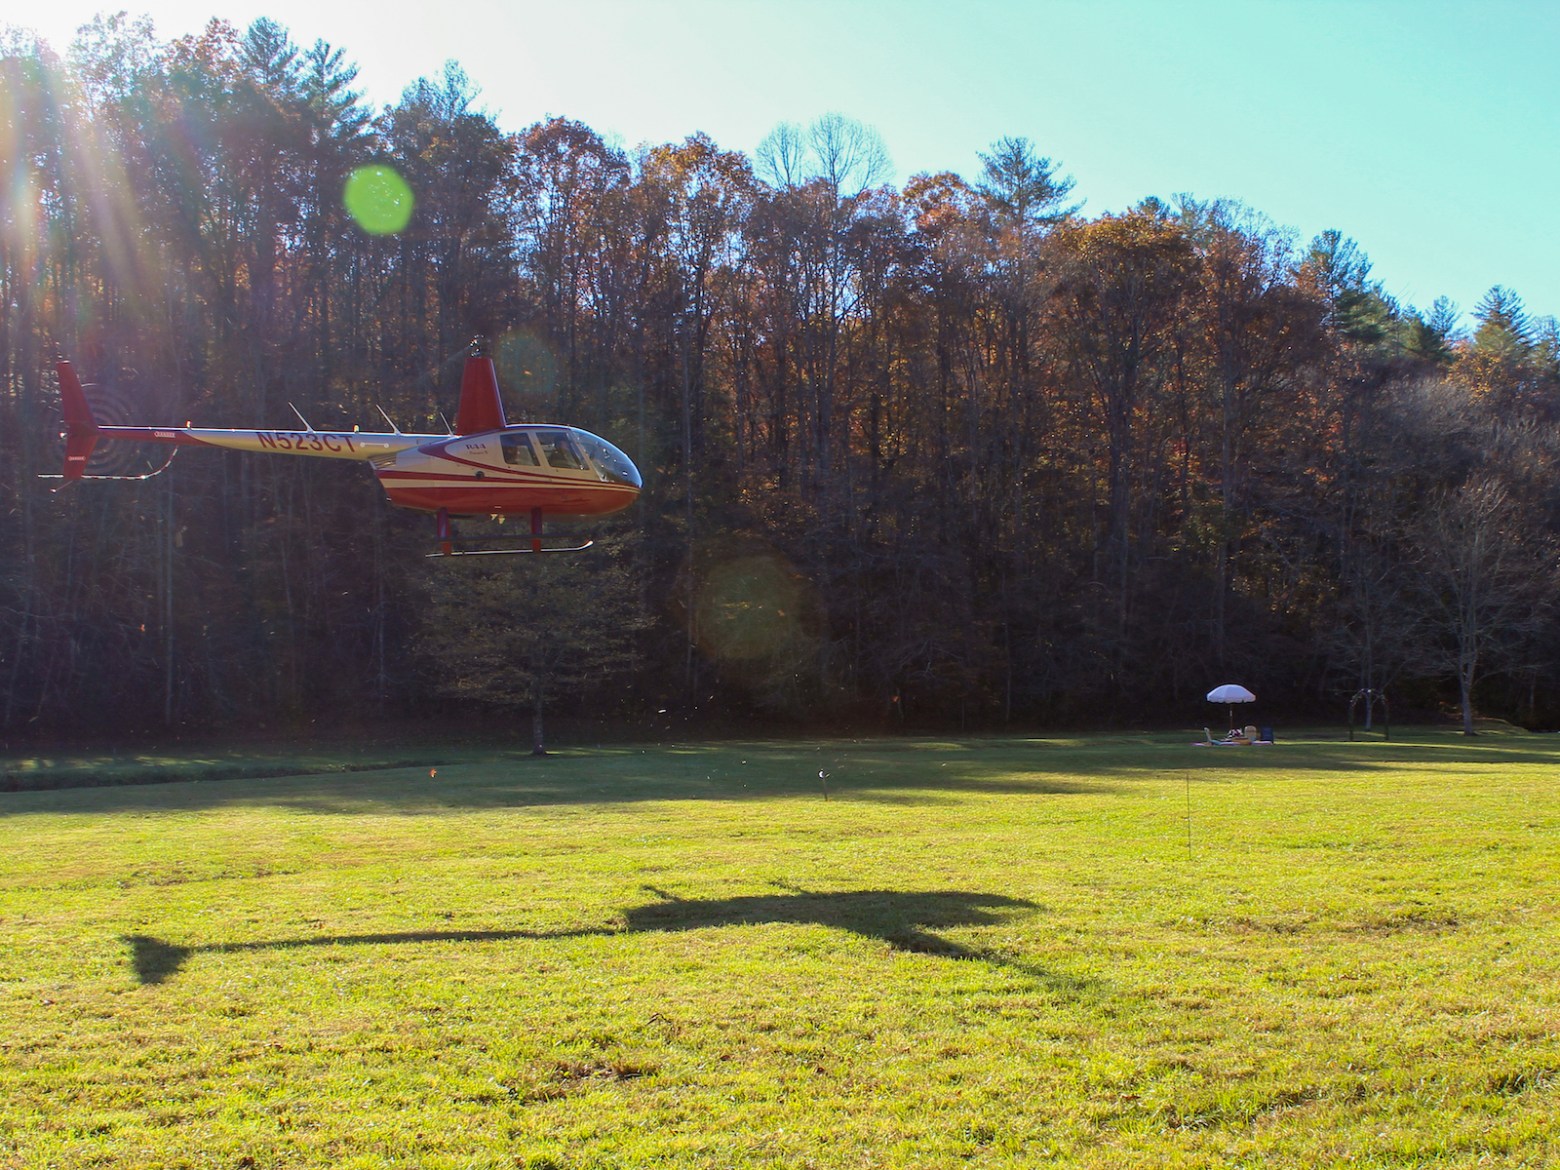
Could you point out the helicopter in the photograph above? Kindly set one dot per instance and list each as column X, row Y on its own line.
column 483, row 466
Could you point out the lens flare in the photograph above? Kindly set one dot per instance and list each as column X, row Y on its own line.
column 530, row 370
column 379, row 200
column 753, row 607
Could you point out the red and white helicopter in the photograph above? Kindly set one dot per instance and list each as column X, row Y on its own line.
column 482, row 467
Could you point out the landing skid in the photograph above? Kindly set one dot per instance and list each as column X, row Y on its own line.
column 448, row 541
column 509, row 552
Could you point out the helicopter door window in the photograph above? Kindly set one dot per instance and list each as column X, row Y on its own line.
column 559, row 448
column 517, row 450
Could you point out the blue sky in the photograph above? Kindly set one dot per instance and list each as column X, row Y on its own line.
column 1427, row 131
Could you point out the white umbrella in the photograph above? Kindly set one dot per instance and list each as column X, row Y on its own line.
column 1229, row 694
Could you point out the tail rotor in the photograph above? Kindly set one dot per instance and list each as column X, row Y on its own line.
column 88, row 452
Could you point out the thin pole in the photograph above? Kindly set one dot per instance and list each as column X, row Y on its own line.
column 1188, row 777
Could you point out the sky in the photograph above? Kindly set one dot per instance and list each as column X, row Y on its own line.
column 1427, row 131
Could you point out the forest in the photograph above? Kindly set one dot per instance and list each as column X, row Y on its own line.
column 956, row 454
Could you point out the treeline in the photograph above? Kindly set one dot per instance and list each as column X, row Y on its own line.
column 956, row 451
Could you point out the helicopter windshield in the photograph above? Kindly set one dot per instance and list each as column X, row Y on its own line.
column 559, row 450
column 610, row 463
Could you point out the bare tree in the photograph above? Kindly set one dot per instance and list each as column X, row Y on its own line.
column 780, row 158
column 1484, row 580
column 847, row 155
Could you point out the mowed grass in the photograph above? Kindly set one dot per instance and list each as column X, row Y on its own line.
column 1121, row 951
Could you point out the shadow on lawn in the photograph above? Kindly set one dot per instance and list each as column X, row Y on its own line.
column 904, row 920
column 716, row 772
column 884, row 770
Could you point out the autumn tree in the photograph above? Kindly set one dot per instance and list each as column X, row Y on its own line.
column 1252, row 323
column 527, row 631
column 1118, row 307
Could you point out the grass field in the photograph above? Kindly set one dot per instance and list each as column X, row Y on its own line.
column 1104, row 952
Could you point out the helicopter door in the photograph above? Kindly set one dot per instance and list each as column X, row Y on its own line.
column 517, row 450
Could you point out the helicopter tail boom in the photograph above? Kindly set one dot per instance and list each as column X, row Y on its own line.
column 83, row 433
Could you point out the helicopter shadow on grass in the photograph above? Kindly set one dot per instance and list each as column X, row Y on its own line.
column 907, row 921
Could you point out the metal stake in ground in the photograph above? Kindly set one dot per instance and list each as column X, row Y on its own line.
column 1188, row 778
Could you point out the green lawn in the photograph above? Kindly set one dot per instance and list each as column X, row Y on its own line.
column 1106, row 952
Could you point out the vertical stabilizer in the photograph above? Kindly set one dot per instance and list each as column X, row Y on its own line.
column 81, row 431
column 481, row 409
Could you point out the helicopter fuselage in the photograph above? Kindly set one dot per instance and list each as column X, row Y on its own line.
column 562, row 470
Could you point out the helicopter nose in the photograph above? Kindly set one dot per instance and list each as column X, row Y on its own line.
column 610, row 463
